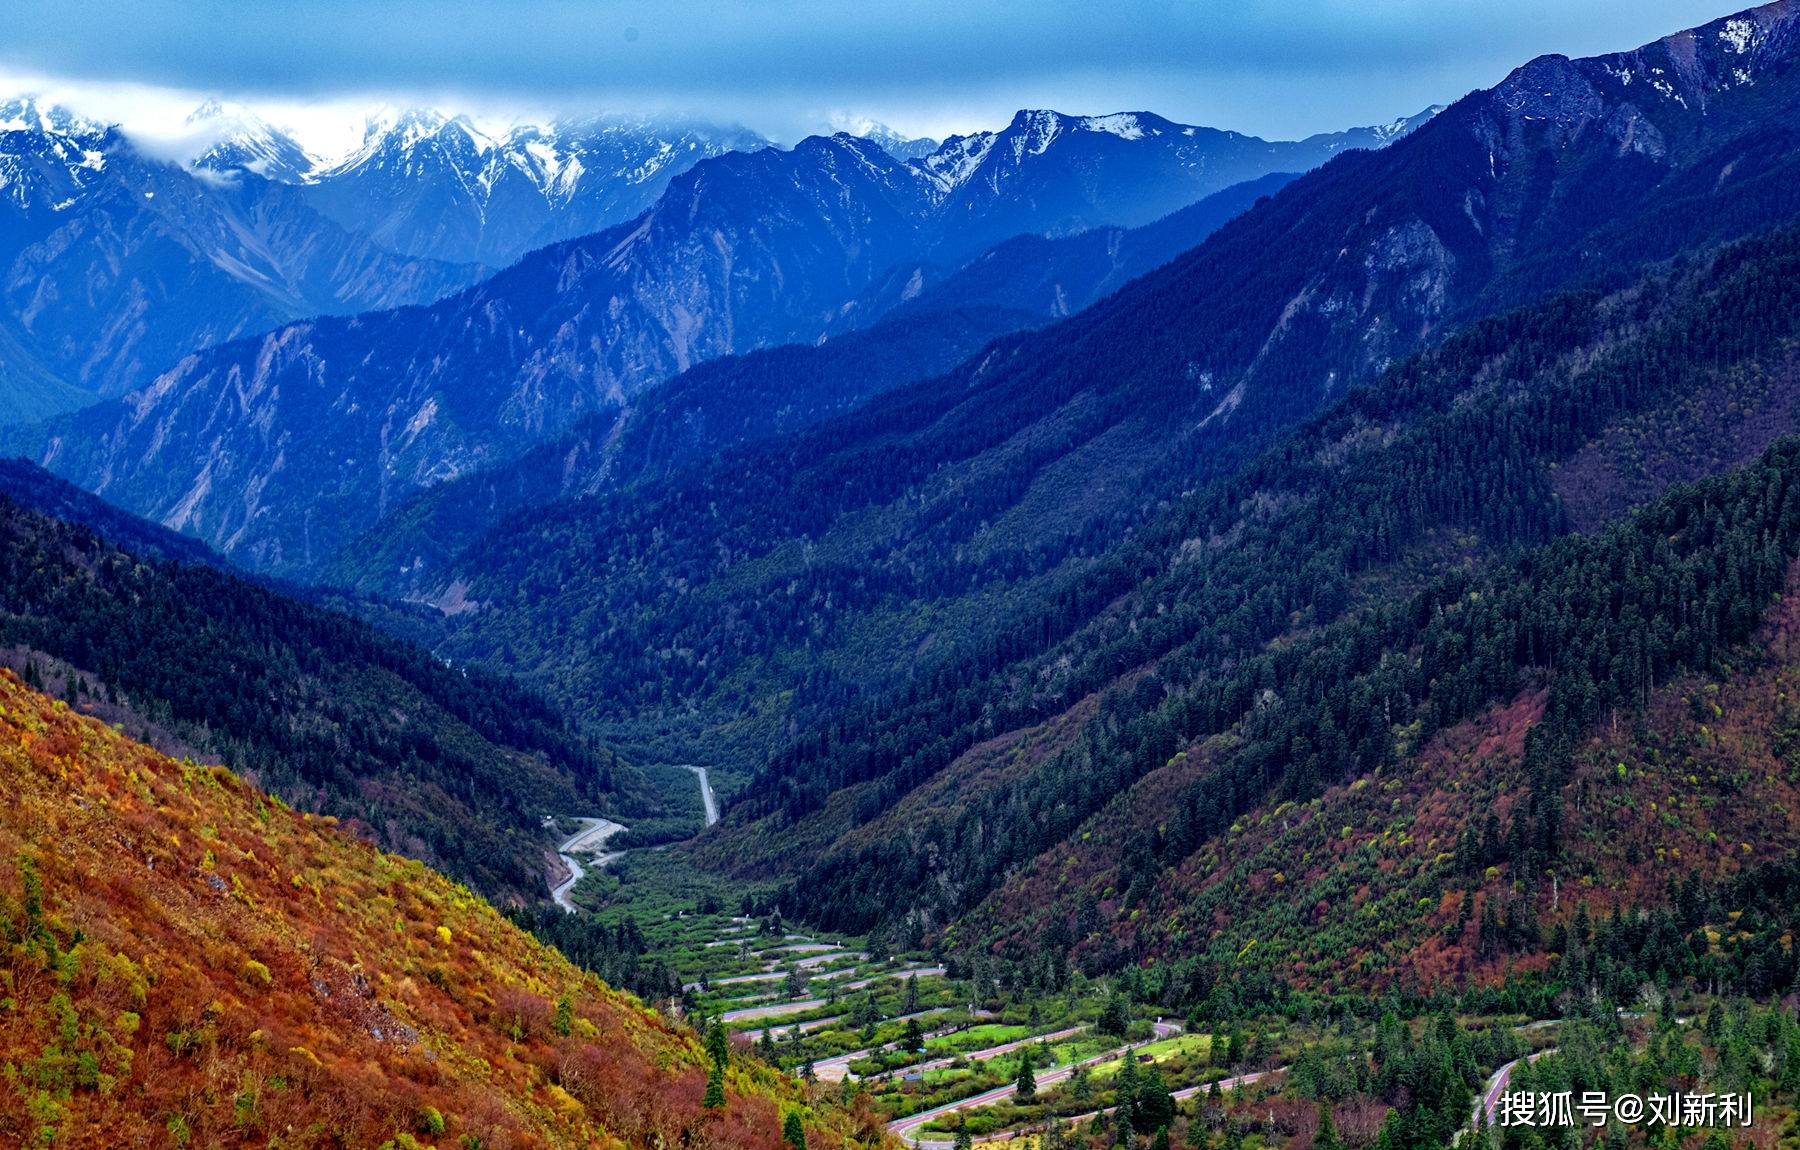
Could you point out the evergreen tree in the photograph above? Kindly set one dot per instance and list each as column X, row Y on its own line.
column 1115, row 1017
column 1027, row 1091
column 1155, row 1103
column 1325, row 1137
column 715, row 1087
column 718, row 1043
column 1125, row 1092
column 793, row 1131
column 1081, row 1083
column 915, row 1036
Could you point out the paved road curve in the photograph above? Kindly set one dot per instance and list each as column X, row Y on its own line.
column 837, row 1067
column 1489, row 1102
column 590, row 840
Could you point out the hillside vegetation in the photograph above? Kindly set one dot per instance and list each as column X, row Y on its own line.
column 184, row 961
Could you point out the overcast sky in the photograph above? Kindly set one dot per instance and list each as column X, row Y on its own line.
column 789, row 67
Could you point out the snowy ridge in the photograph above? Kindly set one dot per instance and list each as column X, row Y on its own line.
column 49, row 156
column 231, row 137
column 557, row 158
column 965, row 160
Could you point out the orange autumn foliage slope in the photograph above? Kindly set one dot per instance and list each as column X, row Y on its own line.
column 185, row 962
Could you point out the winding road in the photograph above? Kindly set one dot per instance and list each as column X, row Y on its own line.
column 590, row 840
column 980, row 1055
column 1497, row 1082
column 837, row 1067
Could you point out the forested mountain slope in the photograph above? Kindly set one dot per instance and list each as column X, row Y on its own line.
column 454, row 767
column 983, row 516
column 1577, row 786
column 34, row 489
column 1345, row 614
column 190, row 962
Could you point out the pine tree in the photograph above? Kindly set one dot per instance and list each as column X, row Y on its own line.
column 1116, row 1017
column 1027, row 1091
column 715, row 1087
column 1081, row 1082
column 1122, row 1126
column 963, row 1141
column 1125, row 1110
column 1326, row 1136
column 718, row 1043
column 1155, row 1104
column 793, row 1131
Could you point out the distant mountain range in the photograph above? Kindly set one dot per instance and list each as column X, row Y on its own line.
column 734, row 401
column 429, row 185
column 113, row 265
column 279, row 449
column 116, row 262
column 878, row 593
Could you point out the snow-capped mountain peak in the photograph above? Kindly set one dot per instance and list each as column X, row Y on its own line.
column 452, row 186
column 232, row 138
column 1394, row 129
column 29, row 113
column 49, row 155
column 895, row 144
